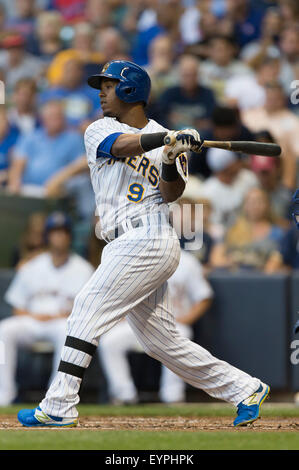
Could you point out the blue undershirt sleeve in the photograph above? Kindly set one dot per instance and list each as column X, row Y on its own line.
column 104, row 148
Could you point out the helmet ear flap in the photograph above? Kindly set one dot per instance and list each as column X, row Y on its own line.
column 126, row 91
column 129, row 90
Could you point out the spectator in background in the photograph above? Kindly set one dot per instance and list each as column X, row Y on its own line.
column 246, row 19
column 2, row 17
column 139, row 16
column 189, row 104
column 112, row 44
column 8, row 138
column 277, row 176
column 168, row 14
column 289, row 249
column 46, row 42
column 275, row 117
column 32, row 241
column 23, row 113
column 16, row 62
column 23, row 20
column 289, row 10
column 191, row 21
column 41, row 294
column 221, row 64
column 191, row 297
column 161, row 68
column 84, row 44
column 98, row 13
column 81, row 102
column 248, row 91
column 71, row 10
column 267, row 46
column 289, row 45
column 254, row 239
column 44, row 152
column 83, row 49
column 74, row 181
column 227, row 186
column 226, row 125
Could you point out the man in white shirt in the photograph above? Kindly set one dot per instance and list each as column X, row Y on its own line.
column 41, row 294
column 227, row 186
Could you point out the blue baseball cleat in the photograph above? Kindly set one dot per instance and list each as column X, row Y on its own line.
column 36, row 417
column 249, row 409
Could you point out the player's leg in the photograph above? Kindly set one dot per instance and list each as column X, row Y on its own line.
column 55, row 332
column 15, row 331
column 130, row 271
column 156, row 331
column 113, row 354
column 172, row 387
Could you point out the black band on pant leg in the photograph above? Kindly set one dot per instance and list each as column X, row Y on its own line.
column 80, row 345
column 71, row 369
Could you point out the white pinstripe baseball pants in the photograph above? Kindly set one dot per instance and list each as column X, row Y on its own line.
column 132, row 281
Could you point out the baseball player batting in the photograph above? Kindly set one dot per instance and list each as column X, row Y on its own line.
column 134, row 176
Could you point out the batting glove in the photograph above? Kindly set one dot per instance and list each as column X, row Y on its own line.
column 191, row 137
column 187, row 136
column 171, row 152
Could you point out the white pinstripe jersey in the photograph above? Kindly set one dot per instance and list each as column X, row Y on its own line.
column 124, row 188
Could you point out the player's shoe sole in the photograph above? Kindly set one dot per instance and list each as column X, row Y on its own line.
column 37, row 418
column 249, row 409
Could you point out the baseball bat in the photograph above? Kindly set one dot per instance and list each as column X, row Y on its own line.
column 251, row 147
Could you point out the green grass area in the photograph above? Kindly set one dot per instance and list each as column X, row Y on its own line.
column 84, row 439
column 143, row 440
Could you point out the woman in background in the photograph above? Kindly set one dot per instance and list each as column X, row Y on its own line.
column 253, row 240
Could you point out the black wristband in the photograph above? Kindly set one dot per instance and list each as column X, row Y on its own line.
column 169, row 172
column 152, row 141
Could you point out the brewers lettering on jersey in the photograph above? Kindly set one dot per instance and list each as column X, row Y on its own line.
column 134, row 177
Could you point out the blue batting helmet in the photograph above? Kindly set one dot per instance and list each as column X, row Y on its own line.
column 295, row 207
column 134, row 82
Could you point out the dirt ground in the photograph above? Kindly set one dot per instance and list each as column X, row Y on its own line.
column 168, row 424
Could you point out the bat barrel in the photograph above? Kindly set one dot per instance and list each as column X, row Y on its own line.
column 250, row 147
column 257, row 148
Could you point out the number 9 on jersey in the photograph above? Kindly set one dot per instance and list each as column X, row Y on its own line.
column 135, row 192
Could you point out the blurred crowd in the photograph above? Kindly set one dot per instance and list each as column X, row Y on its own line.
column 229, row 68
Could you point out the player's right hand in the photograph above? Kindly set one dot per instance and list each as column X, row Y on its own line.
column 171, row 152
